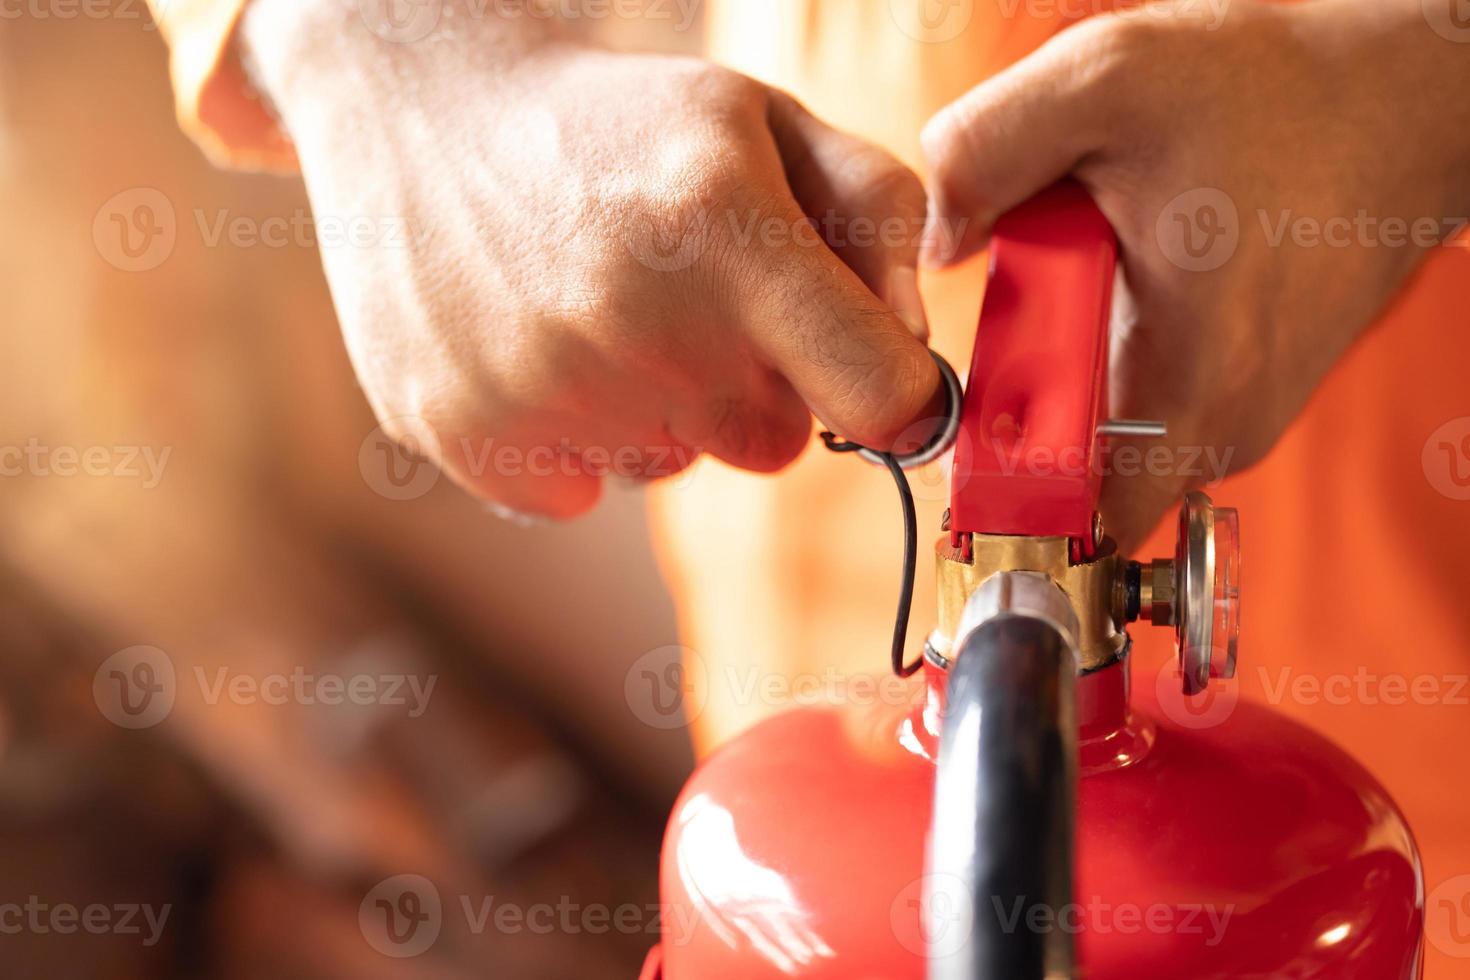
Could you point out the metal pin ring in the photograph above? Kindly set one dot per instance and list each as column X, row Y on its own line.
column 953, row 398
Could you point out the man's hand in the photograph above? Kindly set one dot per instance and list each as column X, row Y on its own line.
column 606, row 262
column 1264, row 174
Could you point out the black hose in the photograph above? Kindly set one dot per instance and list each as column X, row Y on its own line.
column 1002, row 836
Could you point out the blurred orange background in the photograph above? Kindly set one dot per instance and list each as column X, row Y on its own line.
column 256, row 546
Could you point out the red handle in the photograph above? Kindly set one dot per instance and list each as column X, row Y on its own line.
column 1026, row 460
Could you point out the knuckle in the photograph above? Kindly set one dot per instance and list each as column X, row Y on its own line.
column 943, row 136
column 878, row 180
column 1112, row 53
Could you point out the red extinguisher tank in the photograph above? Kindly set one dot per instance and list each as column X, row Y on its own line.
column 1027, row 813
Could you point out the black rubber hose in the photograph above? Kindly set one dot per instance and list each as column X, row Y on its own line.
column 1004, row 804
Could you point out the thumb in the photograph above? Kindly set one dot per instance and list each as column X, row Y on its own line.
column 1013, row 135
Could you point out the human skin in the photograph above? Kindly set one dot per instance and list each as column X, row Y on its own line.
column 580, row 271
column 606, row 265
column 1303, row 117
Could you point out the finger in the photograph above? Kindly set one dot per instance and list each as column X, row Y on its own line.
column 850, row 358
column 1012, row 136
column 532, row 473
column 762, row 427
column 542, row 477
column 867, row 205
column 1134, row 499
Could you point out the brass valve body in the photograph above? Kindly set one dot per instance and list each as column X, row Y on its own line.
column 1096, row 589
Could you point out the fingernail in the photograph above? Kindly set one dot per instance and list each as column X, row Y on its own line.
column 903, row 296
column 944, row 236
column 934, row 245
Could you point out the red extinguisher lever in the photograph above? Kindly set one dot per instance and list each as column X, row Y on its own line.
column 1026, row 458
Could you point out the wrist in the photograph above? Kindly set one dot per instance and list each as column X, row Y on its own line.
column 317, row 58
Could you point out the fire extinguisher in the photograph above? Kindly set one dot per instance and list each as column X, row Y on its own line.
column 1028, row 815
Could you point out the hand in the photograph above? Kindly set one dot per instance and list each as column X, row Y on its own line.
column 606, row 263
column 1234, row 159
